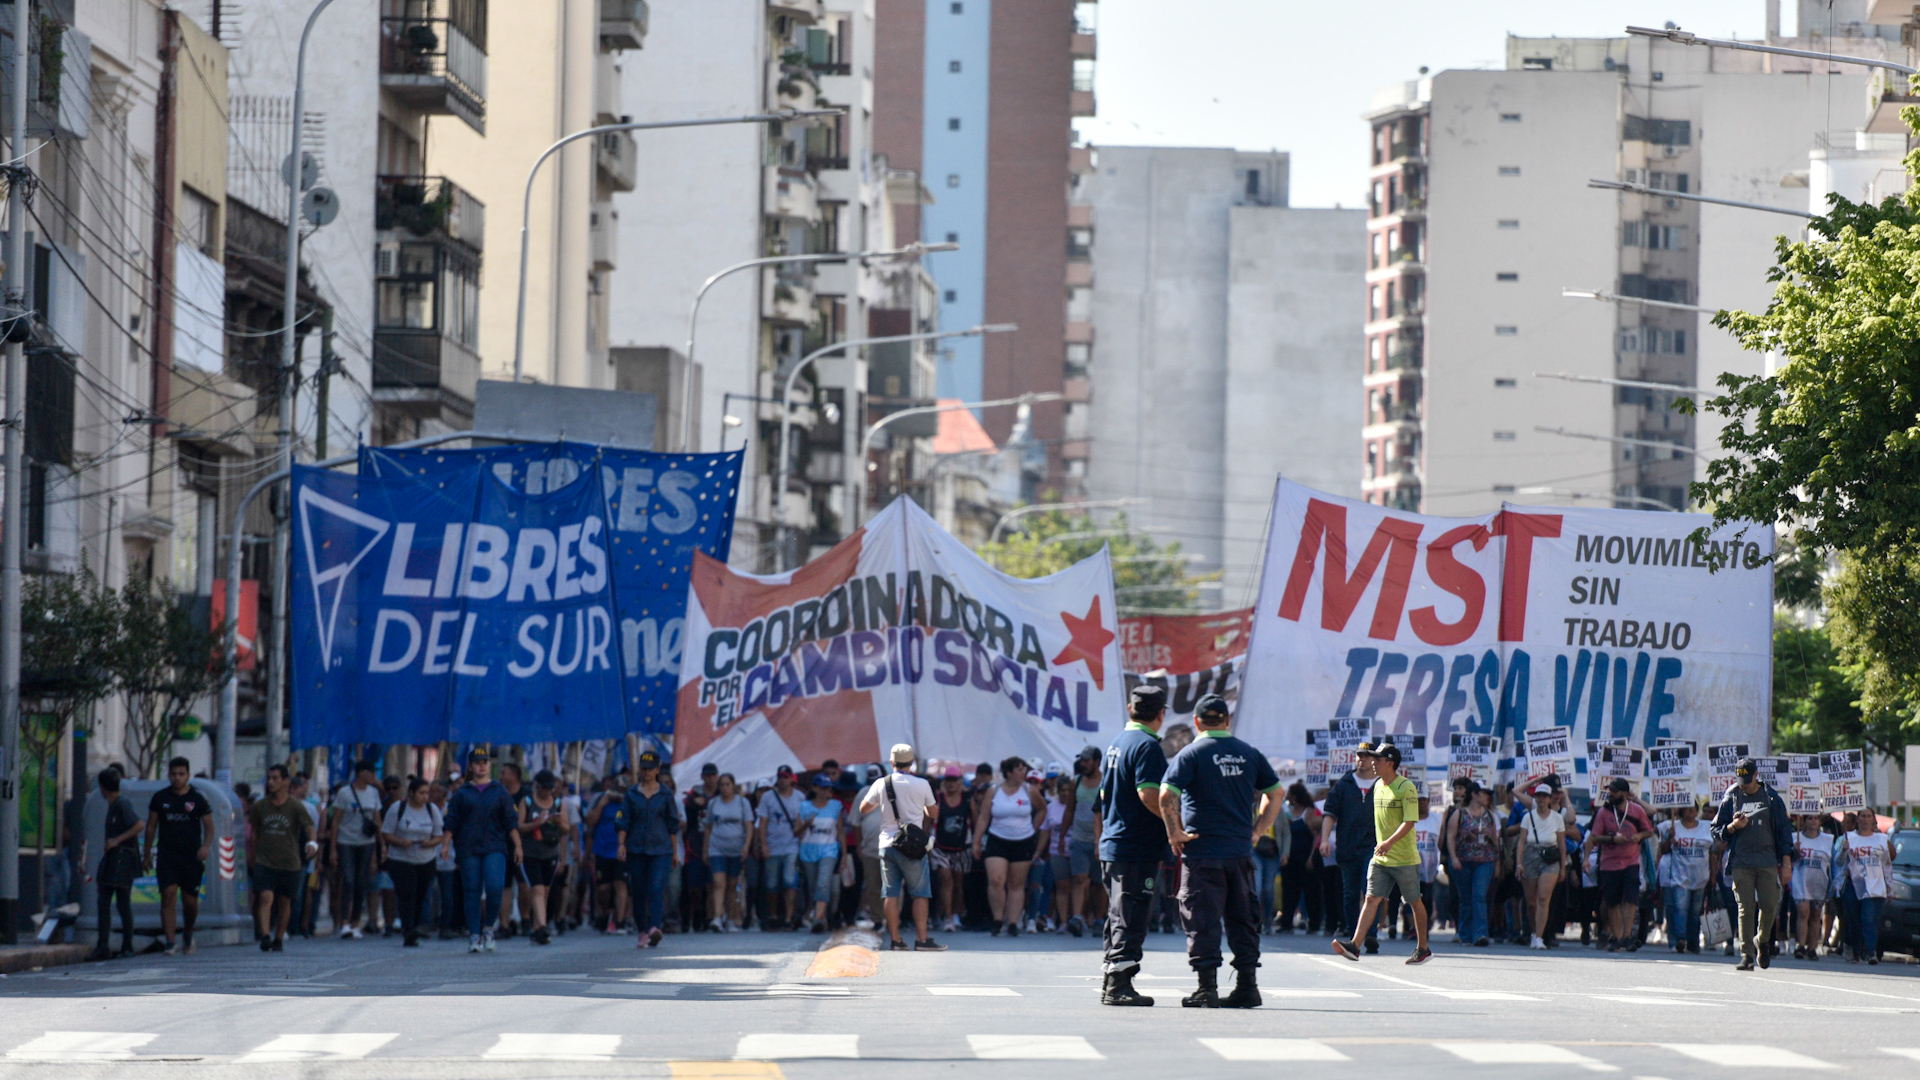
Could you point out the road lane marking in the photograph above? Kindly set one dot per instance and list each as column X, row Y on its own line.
column 343, row 1046
column 81, row 1046
column 1273, row 1050
column 785, row 1046
column 477, row 986
column 1522, row 1053
column 526, row 1047
column 725, row 1070
column 1338, row 965
column 1033, row 1048
column 1902, row 1051
column 1481, row 995
column 1748, row 1055
column 1681, row 1003
column 973, row 991
column 1306, row 992
column 1842, row 989
column 806, row 990
column 636, row 990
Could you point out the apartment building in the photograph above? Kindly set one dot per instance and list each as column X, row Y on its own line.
column 706, row 199
column 1224, row 346
column 1480, row 215
column 979, row 99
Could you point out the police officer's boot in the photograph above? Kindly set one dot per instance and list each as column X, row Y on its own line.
column 1246, row 994
column 1118, row 990
column 1208, row 994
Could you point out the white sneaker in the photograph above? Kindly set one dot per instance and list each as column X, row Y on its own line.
column 346, row 932
column 1537, row 943
column 486, row 940
column 357, row 933
column 473, row 943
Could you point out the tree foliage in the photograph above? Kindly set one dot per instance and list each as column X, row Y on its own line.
column 1146, row 575
column 165, row 658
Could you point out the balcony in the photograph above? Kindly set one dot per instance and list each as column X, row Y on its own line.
column 1079, row 333
column 433, row 66
column 604, row 236
column 1079, row 273
column 1404, row 150
column 424, row 369
column 791, row 193
column 1403, row 360
column 798, row 88
column 1082, row 103
column 623, row 26
column 789, row 300
column 1082, row 46
column 806, row 11
column 1080, row 159
column 617, row 157
column 1395, row 412
column 427, row 206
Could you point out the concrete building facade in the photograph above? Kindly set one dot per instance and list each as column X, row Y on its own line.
column 1480, row 215
column 1222, row 352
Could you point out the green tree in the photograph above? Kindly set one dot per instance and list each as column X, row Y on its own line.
column 1815, row 694
column 165, row 658
column 1146, row 575
column 66, row 623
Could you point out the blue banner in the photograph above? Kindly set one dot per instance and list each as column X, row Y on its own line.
column 514, row 594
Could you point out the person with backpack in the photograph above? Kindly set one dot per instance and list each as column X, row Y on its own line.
column 1752, row 822
column 543, row 829
column 415, row 832
column 907, row 814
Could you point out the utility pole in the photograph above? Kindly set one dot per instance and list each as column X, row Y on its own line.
column 16, row 422
column 329, row 367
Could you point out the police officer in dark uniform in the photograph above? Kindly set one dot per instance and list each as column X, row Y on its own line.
column 1208, row 800
column 1133, row 841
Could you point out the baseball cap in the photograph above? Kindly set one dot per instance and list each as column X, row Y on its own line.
column 1619, row 783
column 821, row 779
column 1543, row 789
column 1747, row 768
column 1088, row 753
column 1388, row 752
column 847, row 782
column 902, row 753
column 1211, row 706
column 709, row 769
column 1367, row 749
column 1054, row 769
column 784, row 770
column 648, row 760
column 953, row 773
column 1148, row 699
column 478, row 754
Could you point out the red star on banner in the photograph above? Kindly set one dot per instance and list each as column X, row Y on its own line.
column 1088, row 640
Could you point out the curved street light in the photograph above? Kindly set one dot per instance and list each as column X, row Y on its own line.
column 526, row 202
column 866, row 443
column 786, row 400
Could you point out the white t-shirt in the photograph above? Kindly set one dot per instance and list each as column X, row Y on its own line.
column 1868, row 858
column 1426, row 840
column 356, row 807
column 408, row 822
column 914, row 794
column 1543, row 829
column 1692, row 849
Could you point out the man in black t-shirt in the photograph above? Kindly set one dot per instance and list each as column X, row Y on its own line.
column 182, row 820
column 1133, row 842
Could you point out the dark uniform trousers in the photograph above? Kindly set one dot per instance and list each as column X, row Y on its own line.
column 1129, row 904
column 1213, row 891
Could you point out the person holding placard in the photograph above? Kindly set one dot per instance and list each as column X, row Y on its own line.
column 1752, row 822
column 1812, row 863
column 1688, row 842
column 1868, row 855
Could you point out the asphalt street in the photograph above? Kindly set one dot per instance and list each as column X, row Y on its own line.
column 742, row 1005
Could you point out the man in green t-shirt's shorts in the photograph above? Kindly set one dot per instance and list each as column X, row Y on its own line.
column 1396, row 858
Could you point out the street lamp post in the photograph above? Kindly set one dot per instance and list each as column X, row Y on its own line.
column 1643, row 189
column 866, row 443
column 1621, row 439
column 693, row 315
column 1577, row 495
column 1670, row 388
column 526, row 202
column 786, row 403
column 1615, row 298
column 1682, row 37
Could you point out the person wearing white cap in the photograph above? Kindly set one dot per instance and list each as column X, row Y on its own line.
column 907, row 813
column 1543, row 855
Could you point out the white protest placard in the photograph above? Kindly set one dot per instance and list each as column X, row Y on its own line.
column 1721, row 758
column 1843, row 780
column 1318, row 740
column 1472, row 756
column 1774, row 772
column 1594, row 780
column 1670, row 777
column 1803, row 792
column 1623, row 763
column 1346, row 735
column 1413, row 756
column 1549, row 753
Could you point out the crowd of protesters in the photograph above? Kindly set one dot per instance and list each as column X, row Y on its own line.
column 490, row 855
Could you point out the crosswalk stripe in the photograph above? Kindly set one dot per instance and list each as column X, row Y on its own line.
column 1033, row 1048
column 973, row 991
column 1902, row 1051
column 807, row 990
column 1521, row 1053
column 525, row 1047
column 1273, row 1050
column 789, row 1046
column 81, row 1046
column 1749, row 1055
column 337, row 1046
column 1482, row 995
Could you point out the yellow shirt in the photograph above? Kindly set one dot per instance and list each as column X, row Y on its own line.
column 1393, row 804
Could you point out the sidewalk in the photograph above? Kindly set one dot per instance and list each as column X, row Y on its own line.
column 27, row 957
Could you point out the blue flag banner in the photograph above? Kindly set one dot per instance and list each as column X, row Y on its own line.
column 516, row 594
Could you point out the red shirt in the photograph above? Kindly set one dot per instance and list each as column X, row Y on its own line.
column 1619, row 856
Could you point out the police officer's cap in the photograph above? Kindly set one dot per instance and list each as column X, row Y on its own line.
column 1148, row 699
column 1211, row 707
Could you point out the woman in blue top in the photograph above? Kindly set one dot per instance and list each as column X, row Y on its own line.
column 818, row 827
column 653, row 819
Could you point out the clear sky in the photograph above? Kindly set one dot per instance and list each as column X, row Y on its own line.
column 1296, row 75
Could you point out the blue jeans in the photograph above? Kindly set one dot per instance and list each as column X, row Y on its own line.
column 483, row 878
column 1683, row 914
column 1870, row 925
column 1472, row 882
column 1353, row 891
column 1265, row 869
column 821, row 880
column 782, row 871
column 1040, row 887
column 445, row 892
column 900, row 875
column 647, row 888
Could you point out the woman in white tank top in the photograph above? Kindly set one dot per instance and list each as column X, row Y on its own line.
column 1005, row 834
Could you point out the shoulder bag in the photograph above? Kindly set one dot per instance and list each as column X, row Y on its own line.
column 910, row 840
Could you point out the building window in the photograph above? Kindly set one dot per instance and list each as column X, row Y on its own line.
column 953, row 179
column 953, row 123
column 199, row 221
column 1531, row 63
column 1509, row 117
column 1503, row 436
column 1642, row 234
column 1506, row 277
column 1506, row 331
column 1506, row 382
column 950, row 296
column 1509, row 223
column 953, row 238
column 1509, row 170
column 953, row 66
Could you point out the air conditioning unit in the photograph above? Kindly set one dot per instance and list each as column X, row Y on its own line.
column 386, row 260
column 1671, row 151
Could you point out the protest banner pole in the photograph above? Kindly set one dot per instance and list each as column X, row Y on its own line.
column 229, row 712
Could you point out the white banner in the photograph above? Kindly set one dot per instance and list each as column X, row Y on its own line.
column 1843, row 780
column 1670, row 777
column 1472, row 756
column 896, row 634
column 1549, row 753
column 1609, row 622
column 1804, row 777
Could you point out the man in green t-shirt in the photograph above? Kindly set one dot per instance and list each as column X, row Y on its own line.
column 1396, row 858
